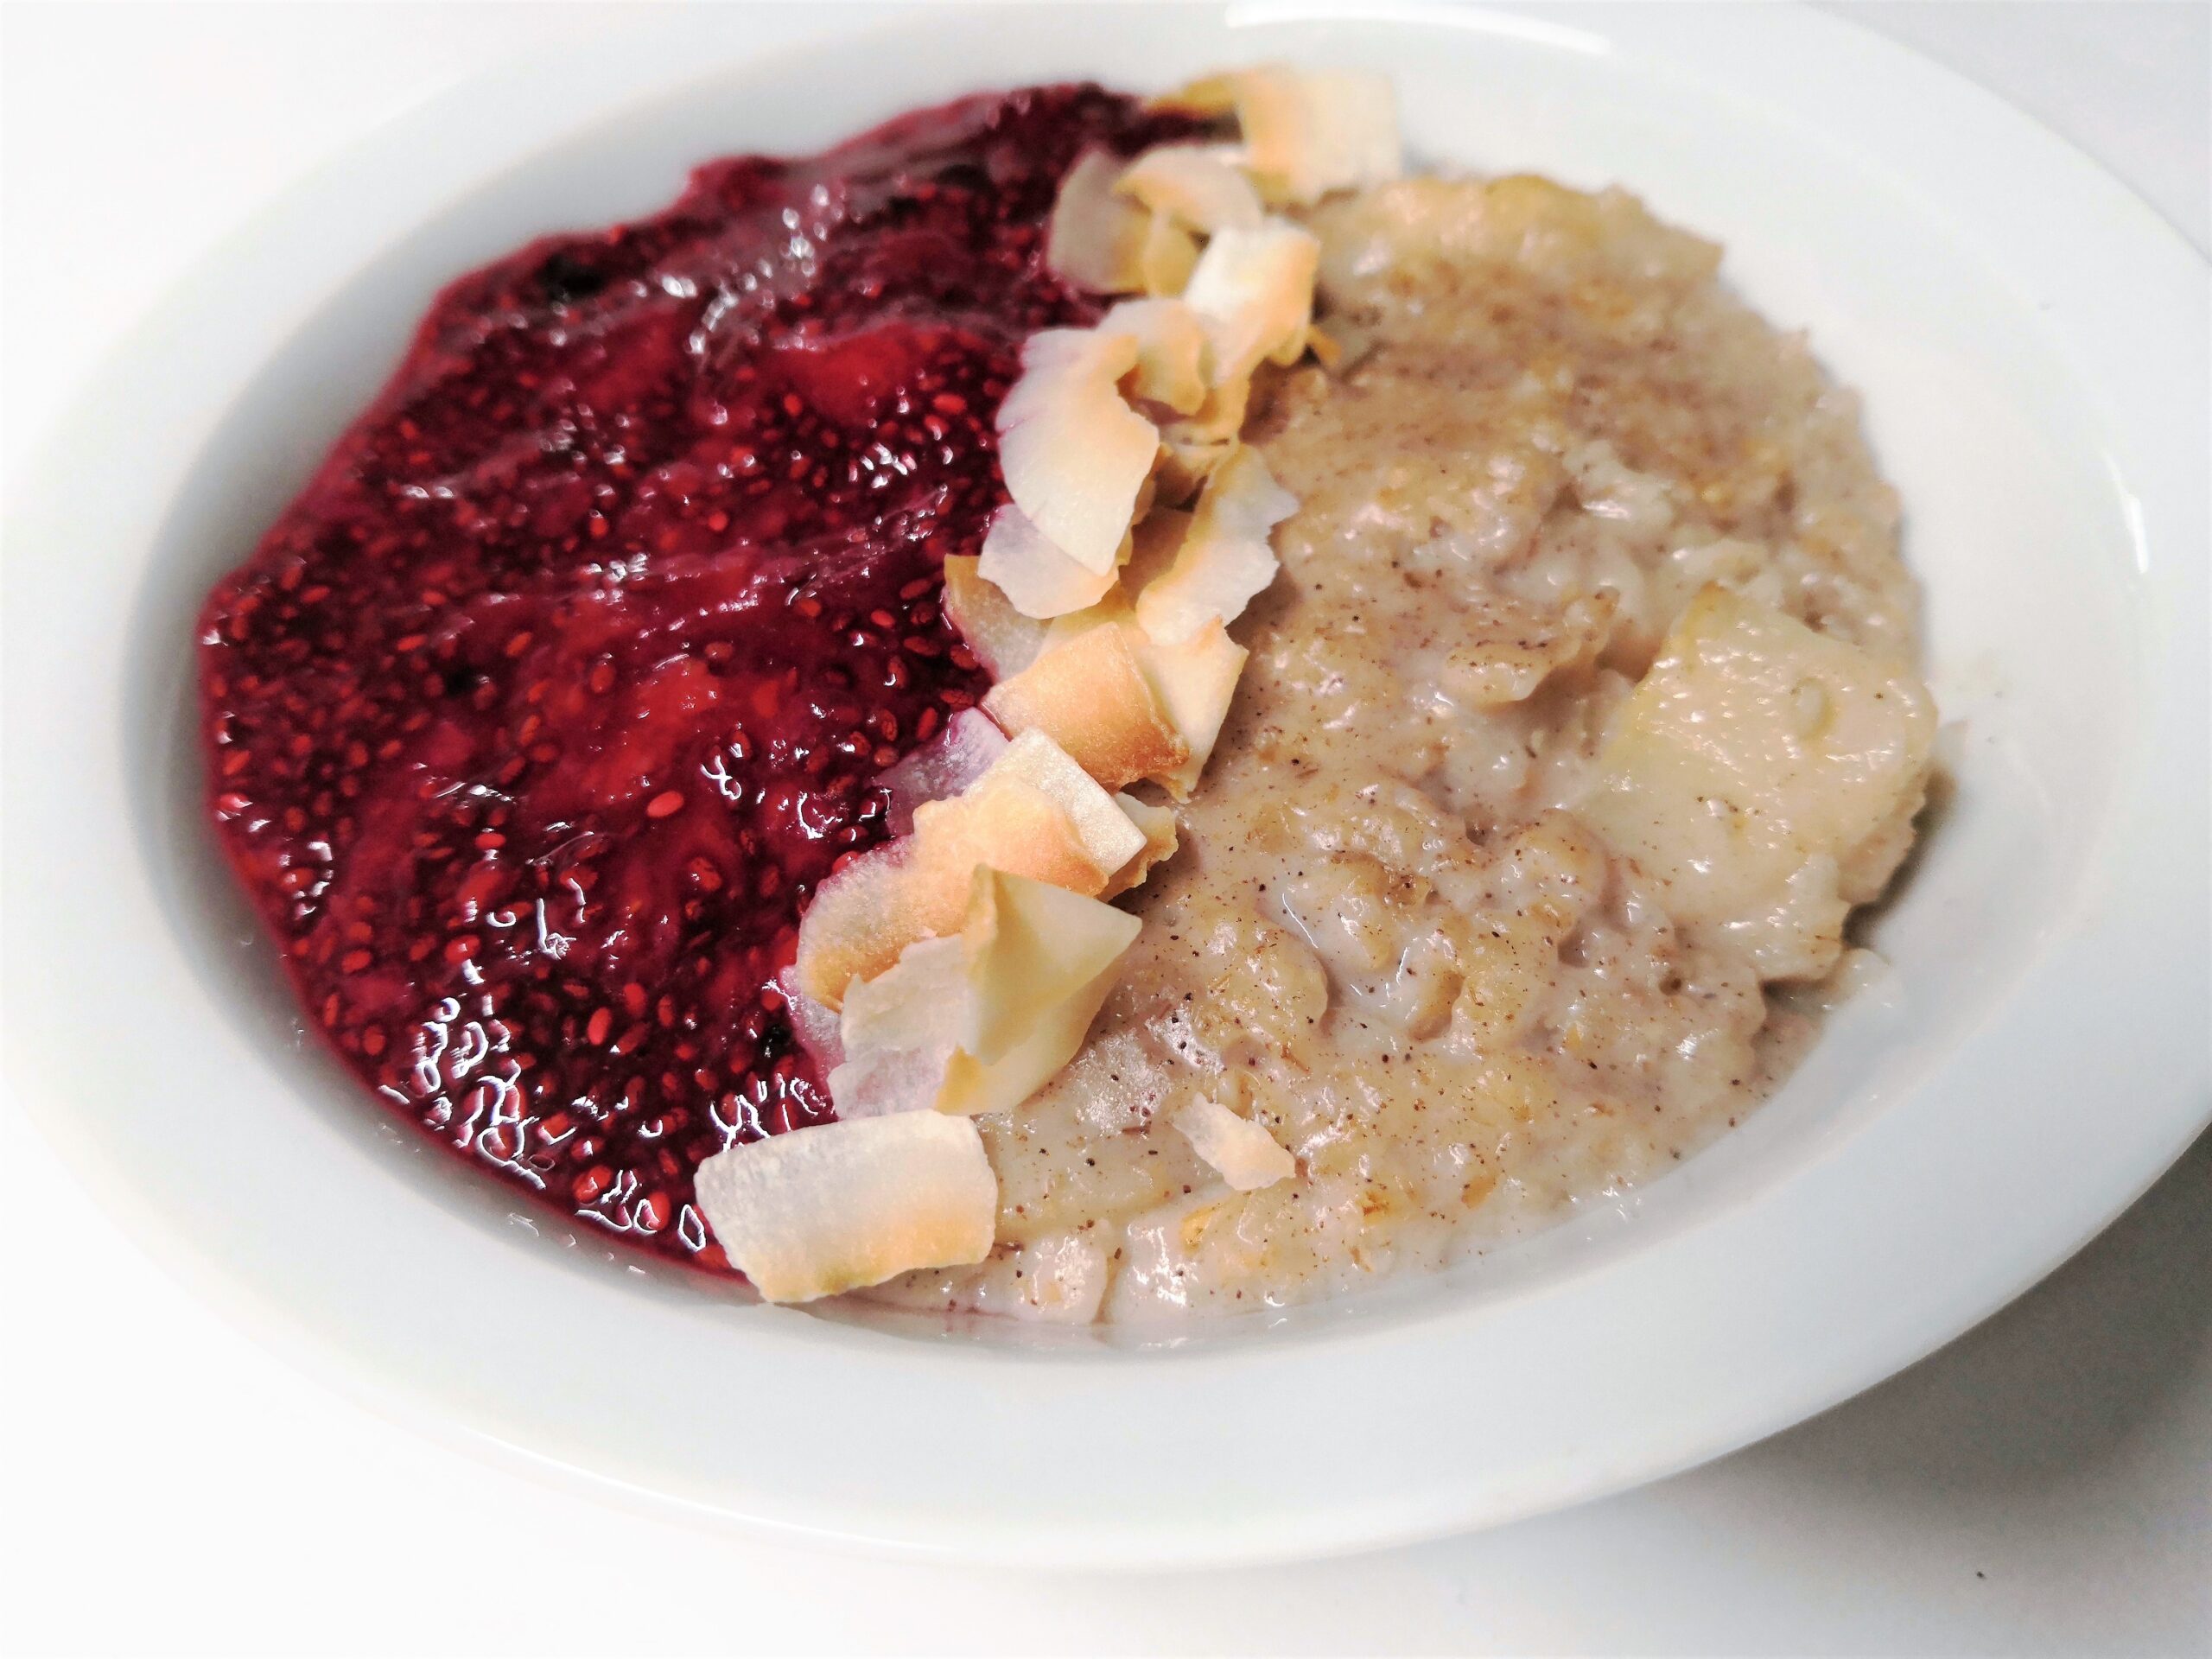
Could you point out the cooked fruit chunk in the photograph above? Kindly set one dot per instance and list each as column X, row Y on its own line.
column 1755, row 757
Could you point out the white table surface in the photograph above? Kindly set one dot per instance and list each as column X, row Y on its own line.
column 2044, row 1484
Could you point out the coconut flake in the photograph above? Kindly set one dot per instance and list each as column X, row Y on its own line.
column 1090, row 694
column 1242, row 1151
column 1168, row 256
column 979, row 1021
column 1157, row 824
column 1305, row 133
column 1004, row 639
column 1224, row 558
column 1186, row 462
column 1194, row 681
column 1256, row 289
column 1038, row 579
column 814, row 1024
column 1074, row 454
column 1033, row 760
column 1096, row 239
column 1170, row 352
column 1042, row 961
column 1197, row 184
column 837, row 1206
column 915, row 888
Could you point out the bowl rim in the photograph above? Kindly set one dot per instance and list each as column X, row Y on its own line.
column 1946, row 134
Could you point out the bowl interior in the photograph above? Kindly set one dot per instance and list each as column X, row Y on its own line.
column 2016, row 525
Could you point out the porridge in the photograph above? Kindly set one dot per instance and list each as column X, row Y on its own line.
column 1396, row 933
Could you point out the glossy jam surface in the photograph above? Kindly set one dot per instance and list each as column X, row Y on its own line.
column 534, row 719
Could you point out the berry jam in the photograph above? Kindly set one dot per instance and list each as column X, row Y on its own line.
column 536, row 717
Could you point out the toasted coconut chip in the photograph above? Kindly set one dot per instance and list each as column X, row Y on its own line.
column 1169, row 255
column 1161, row 840
column 1033, row 760
column 1171, row 352
column 1218, row 420
column 855, row 925
column 1004, row 639
column 1036, row 579
column 958, row 755
column 1224, row 558
column 1244, row 1153
column 1197, row 184
column 1075, row 455
column 1096, row 239
column 1186, row 463
column 1307, row 134
column 1209, row 95
column 1036, row 951
column 900, row 1031
column 979, row 1021
column 837, row 1206
column 1090, row 694
column 1256, row 289
column 915, row 888
column 1116, row 607
column 1153, row 547
column 1195, row 681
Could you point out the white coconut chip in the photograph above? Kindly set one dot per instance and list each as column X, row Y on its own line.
column 1033, row 760
column 1003, row 639
column 1224, row 559
column 1170, row 352
column 1305, row 133
column 979, row 1021
column 1096, row 239
column 1197, row 184
column 1169, row 255
column 1256, row 289
column 1074, row 453
column 1195, row 682
column 838, row 1206
column 1242, row 1151
column 1161, row 837
column 1043, row 961
column 1038, row 579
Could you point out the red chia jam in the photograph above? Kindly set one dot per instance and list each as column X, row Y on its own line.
column 534, row 721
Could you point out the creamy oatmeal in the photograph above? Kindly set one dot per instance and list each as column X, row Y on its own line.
column 1414, row 932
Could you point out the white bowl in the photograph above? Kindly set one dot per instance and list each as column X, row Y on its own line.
column 2032, row 343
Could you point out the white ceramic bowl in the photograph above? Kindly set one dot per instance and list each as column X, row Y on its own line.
column 2032, row 343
